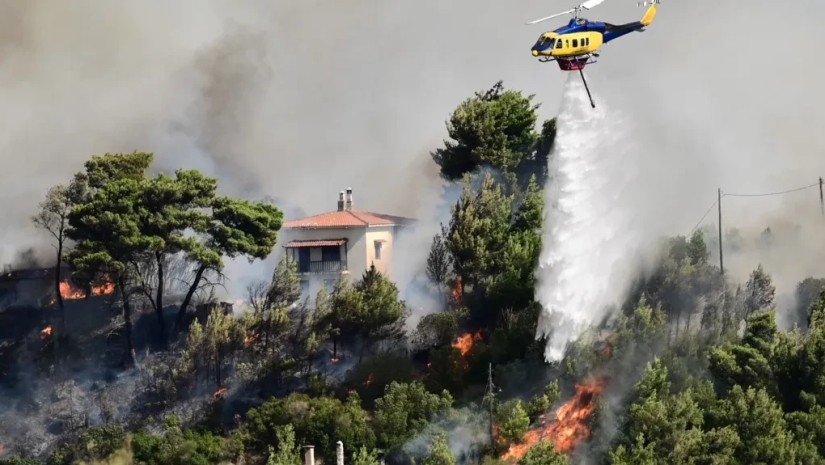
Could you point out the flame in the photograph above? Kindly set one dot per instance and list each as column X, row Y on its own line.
column 46, row 332
column 568, row 429
column 250, row 339
column 220, row 392
column 465, row 343
column 456, row 292
column 335, row 360
column 70, row 292
column 104, row 289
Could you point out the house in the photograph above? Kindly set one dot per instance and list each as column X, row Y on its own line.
column 345, row 241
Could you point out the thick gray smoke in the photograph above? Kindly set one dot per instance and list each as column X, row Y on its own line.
column 295, row 101
column 292, row 101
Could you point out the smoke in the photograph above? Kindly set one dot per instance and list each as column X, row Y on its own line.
column 411, row 250
column 275, row 99
column 742, row 123
column 593, row 238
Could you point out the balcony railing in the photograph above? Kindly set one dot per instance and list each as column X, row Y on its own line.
column 327, row 266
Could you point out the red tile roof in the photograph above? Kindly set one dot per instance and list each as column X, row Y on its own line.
column 346, row 219
column 321, row 243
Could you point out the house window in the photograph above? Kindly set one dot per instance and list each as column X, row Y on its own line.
column 378, row 245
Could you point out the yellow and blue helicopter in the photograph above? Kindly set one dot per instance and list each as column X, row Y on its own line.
column 574, row 45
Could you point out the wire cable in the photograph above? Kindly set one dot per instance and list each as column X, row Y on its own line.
column 703, row 216
column 725, row 194
column 816, row 184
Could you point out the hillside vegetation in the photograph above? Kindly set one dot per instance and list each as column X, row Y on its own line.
column 693, row 370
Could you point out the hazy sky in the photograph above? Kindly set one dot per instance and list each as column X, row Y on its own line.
column 300, row 100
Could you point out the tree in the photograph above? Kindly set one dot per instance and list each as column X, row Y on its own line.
column 406, row 409
column 236, row 228
column 697, row 249
column 439, row 261
column 170, row 208
column 806, row 294
column 759, row 292
column 543, row 453
column 440, row 453
column 513, row 420
column 53, row 217
column 106, row 227
column 370, row 309
column 479, row 229
column 494, row 128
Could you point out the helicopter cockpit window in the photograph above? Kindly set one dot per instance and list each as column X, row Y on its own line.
column 546, row 42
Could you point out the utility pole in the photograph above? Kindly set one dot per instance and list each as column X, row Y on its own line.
column 719, row 204
column 821, row 198
column 490, row 396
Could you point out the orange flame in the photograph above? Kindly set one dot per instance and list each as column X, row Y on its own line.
column 568, row 430
column 46, row 332
column 456, row 292
column 250, row 339
column 465, row 343
column 70, row 292
column 104, row 289
column 220, row 392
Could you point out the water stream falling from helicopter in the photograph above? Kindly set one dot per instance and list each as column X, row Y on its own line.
column 590, row 236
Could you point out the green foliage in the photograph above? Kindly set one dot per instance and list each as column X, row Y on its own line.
column 406, row 409
column 496, row 128
column 542, row 402
column 478, row 230
column 19, row 460
column 439, row 261
column 370, row 309
column 440, row 453
column 543, row 453
column 180, row 447
column 436, row 329
column 94, row 443
column 513, row 421
column 320, row 421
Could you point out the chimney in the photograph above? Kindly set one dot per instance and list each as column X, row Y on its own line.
column 341, row 201
column 349, row 200
column 309, row 455
column 339, row 454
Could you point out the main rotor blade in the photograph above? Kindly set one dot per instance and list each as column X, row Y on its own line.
column 557, row 14
column 590, row 4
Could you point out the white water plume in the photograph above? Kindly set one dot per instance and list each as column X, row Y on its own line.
column 591, row 241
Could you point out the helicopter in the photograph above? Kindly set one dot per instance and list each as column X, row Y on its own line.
column 574, row 45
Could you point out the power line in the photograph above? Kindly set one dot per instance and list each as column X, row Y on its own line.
column 703, row 216
column 772, row 193
column 765, row 194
